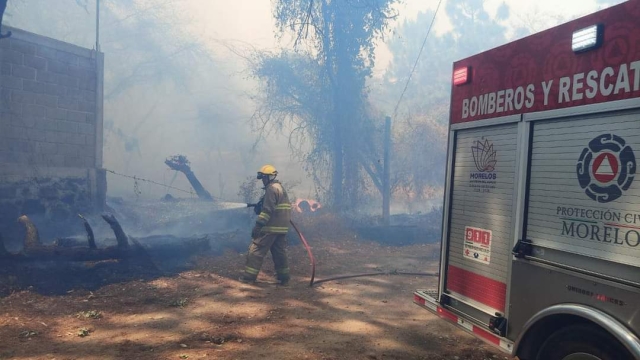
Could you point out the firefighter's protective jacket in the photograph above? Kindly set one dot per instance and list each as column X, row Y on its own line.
column 276, row 210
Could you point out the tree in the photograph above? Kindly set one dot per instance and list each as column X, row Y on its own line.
column 318, row 93
column 420, row 135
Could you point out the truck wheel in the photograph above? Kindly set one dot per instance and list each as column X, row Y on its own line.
column 582, row 342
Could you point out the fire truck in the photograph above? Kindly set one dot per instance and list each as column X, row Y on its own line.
column 540, row 251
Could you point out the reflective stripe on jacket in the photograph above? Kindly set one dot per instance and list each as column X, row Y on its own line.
column 276, row 210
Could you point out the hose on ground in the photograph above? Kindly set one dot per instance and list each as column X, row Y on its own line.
column 339, row 277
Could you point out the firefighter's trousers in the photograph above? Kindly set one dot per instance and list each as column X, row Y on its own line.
column 259, row 248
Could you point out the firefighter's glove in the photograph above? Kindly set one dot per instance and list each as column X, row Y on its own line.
column 256, row 232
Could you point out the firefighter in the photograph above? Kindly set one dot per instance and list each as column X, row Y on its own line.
column 270, row 230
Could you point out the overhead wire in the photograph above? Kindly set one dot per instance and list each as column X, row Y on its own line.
column 424, row 42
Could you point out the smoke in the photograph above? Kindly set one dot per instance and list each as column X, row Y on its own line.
column 171, row 86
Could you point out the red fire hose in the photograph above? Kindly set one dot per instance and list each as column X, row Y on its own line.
column 313, row 266
column 306, row 245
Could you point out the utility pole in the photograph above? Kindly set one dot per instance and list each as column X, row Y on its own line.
column 97, row 26
column 386, row 177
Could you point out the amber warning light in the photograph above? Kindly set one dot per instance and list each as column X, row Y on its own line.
column 462, row 76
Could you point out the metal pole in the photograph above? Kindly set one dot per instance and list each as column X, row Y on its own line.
column 97, row 25
column 386, row 180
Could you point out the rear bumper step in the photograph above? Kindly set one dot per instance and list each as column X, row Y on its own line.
column 428, row 299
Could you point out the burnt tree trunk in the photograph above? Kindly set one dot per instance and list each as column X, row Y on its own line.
column 121, row 237
column 90, row 237
column 31, row 237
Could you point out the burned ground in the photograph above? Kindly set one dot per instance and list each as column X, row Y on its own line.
column 204, row 312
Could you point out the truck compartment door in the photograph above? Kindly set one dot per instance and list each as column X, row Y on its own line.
column 584, row 194
column 480, row 235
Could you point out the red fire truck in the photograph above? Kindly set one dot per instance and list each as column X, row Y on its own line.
column 540, row 250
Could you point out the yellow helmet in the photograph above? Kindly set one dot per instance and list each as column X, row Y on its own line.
column 267, row 170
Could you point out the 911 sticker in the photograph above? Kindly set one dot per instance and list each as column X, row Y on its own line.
column 477, row 244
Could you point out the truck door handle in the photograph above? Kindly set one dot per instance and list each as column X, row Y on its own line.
column 524, row 247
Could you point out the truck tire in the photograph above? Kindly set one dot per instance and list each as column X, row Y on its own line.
column 582, row 342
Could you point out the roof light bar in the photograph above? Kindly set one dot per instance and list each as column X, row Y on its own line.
column 462, row 76
column 587, row 39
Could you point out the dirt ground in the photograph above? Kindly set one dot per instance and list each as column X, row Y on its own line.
column 205, row 313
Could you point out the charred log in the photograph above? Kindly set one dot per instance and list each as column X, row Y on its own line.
column 31, row 237
column 180, row 163
column 90, row 237
column 56, row 253
column 121, row 237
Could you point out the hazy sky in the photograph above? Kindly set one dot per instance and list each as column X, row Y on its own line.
column 251, row 21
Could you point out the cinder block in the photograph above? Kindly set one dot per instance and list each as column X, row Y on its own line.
column 67, row 126
column 34, row 134
column 70, row 150
column 57, row 67
column 89, row 95
column 68, row 81
column 5, row 97
column 88, row 84
column 47, row 77
column 14, row 108
column 67, row 103
column 77, row 139
column 55, row 90
column 24, row 121
column 17, row 133
column 67, row 58
column 23, row 97
column 23, row 46
column 5, row 68
column 86, row 63
column 18, row 145
column 13, row 57
column 54, row 137
column 75, row 93
column 34, row 87
column 86, row 106
column 77, row 116
column 90, row 140
column 70, row 161
column 46, row 125
column 35, row 62
column 79, row 72
column 86, row 129
column 46, row 52
column 56, row 160
column 57, row 114
column 23, row 72
column 46, row 148
column 11, row 82
column 91, row 118
column 33, row 110
column 46, row 100
column 89, row 161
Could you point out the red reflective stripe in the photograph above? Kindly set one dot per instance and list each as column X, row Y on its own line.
column 447, row 315
column 418, row 299
column 486, row 335
column 477, row 287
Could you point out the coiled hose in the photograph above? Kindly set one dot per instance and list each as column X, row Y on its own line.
column 339, row 277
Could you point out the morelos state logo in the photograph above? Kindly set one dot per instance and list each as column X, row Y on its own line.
column 606, row 168
column 484, row 157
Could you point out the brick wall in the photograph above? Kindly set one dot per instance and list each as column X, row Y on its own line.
column 50, row 126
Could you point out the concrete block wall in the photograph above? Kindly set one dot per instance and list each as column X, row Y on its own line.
column 48, row 103
column 50, row 125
